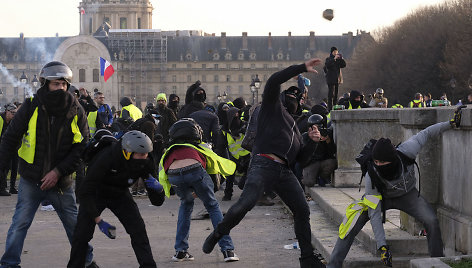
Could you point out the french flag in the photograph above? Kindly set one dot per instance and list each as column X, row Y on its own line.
column 106, row 70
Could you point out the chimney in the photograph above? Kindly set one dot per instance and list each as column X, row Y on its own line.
column 177, row 33
column 244, row 40
column 22, row 41
column 269, row 41
column 289, row 40
column 223, row 40
column 312, row 40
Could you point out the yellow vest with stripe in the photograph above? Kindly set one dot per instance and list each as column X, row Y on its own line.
column 354, row 210
column 417, row 102
column 350, row 106
column 234, row 146
column 134, row 112
column 215, row 165
column 1, row 125
column 28, row 144
column 397, row 106
column 92, row 122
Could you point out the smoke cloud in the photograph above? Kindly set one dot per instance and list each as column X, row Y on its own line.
column 12, row 80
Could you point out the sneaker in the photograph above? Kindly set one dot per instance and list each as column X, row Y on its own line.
column 47, row 208
column 13, row 191
column 182, row 256
column 141, row 193
column 134, row 193
column 4, row 193
column 210, row 242
column 230, row 256
column 92, row 265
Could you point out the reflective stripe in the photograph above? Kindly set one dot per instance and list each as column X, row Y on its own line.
column 354, row 210
column 350, row 106
column 397, row 106
column 234, row 146
column 28, row 145
column 91, row 120
column 417, row 102
column 215, row 164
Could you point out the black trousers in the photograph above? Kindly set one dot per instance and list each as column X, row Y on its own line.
column 79, row 177
column 262, row 173
column 13, row 171
column 128, row 214
column 332, row 95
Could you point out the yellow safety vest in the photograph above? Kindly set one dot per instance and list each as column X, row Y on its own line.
column 350, row 106
column 397, row 106
column 215, row 165
column 419, row 102
column 134, row 112
column 234, row 146
column 1, row 125
column 28, row 145
column 328, row 118
column 354, row 210
column 91, row 120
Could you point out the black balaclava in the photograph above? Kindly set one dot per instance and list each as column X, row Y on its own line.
column 57, row 101
column 354, row 94
column 385, row 151
column 173, row 104
column 290, row 101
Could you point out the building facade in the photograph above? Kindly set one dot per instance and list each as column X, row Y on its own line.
column 149, row 61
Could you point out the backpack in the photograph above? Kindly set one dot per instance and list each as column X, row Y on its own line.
column 102, row 139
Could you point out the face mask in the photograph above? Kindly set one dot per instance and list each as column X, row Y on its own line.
column 173, row 104
column 138, row 166
column 388, row 171
column 55, row 102
column 235, row 126
column 355, row 103
column 199, row 97
column 291, row 105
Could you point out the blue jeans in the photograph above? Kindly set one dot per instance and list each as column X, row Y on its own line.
column 264, row 173
column 195, row 180
column 29, row 198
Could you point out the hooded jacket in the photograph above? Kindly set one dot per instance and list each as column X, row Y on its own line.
column 191, row 105
column 277, row 132
column 54, row 147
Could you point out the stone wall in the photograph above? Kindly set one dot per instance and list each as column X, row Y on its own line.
column 445, row 163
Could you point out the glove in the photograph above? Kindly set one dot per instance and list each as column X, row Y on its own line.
column 456, row 120
column 107, row 229
column 385, row 256
column 153, row 184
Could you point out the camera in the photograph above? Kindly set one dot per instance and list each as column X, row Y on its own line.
column 323, row 132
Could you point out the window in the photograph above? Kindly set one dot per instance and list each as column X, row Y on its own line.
column 189, row 66
column 253, row 66
column 90, row 26
column 122, row 91
column 215, row 78
column 204, row 66
column 240, row 78
column 228, row 78
column 216, row 66
column 189, row 78
column 240, row 66
column 241, row 88
column 96, row 76
column 174, row 78
column 228, row 66
column 123, row 23
column 139, row 23
column 204, row 78
column 174, row 66
column 81, row 75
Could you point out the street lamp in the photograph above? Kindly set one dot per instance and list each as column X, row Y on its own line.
column 219, row 97
column 257, row 85
column 224, row 96
column 35, row 82
column 24, row 80
column 252, row 86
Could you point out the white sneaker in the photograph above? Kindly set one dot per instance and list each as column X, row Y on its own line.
column 47, row 208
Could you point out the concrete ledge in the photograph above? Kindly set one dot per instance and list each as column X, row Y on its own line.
column 333, row 201
column 347, row 177
column 456, row 230
column 428, row 263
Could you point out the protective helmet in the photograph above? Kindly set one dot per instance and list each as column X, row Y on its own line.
column 379, row 91
column 135, row 141
column 186, row 130
column 316, row 120
column 55, row 70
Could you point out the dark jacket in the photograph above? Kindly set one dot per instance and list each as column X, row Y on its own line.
column 191, row 105
column 109, row 176
column 277, row 132
column 210, row 125
column 333, row 69
column 354, row 105
column 54, row 148
column 323, row 149
column 165, row 122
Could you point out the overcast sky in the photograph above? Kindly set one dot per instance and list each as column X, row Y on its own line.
column 47, row 17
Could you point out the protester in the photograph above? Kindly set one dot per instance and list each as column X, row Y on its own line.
column 5, row 119
column 167, row 118
column 173, row 104
column 356, row 101
column 278, row 143
column 378, row 100
column 390, row 183
column 129, row 110
column 104, row 116
column 194, row 100
column 186, row 165
column 417, row 102
column 109, row 175
column 428, row 100
column 332, row 69
column 53, row 115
